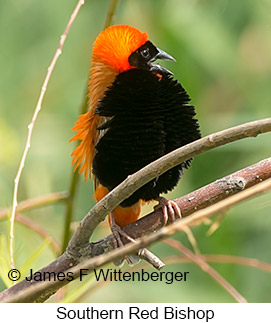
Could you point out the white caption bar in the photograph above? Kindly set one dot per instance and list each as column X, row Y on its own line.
column 144, row 312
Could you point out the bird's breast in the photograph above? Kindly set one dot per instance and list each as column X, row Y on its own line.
column 146, row 117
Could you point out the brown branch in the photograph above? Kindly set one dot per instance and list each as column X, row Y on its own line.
column 250, row 175
column 39, row 292
column 206, row 196
column 98, row 213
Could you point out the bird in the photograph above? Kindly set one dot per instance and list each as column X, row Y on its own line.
column 138, row 113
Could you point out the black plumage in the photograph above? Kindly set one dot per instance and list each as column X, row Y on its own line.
column 147, row 116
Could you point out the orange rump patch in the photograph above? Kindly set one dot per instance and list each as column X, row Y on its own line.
column 122, row 215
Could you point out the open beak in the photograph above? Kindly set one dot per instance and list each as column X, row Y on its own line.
column 162, row 55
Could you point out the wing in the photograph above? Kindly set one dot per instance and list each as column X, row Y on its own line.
column 86, row 127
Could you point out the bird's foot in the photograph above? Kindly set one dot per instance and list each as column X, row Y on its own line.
column 170, row 209
column 117, row 233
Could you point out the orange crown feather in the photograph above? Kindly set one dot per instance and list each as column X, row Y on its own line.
column 115, row 44
column 111, row 51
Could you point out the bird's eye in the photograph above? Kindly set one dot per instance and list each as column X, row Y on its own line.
column 145, row 53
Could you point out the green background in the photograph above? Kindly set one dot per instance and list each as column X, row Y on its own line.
column 222, row 50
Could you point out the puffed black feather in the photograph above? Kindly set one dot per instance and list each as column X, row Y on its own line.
column 147, row 117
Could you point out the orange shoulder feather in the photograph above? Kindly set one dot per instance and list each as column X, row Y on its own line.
column 83, row 154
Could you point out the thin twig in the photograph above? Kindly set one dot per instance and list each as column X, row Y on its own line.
column 75, row 176
column 217, row 223
column 250, row 262
column 192, row 240
column 36, row 202
column 32, row 123
column 215, row 258
column 207, row 268
column 149, row 257
column 110, row 13
column 40, row 231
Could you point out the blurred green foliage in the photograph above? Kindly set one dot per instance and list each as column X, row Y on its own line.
column 222, row 50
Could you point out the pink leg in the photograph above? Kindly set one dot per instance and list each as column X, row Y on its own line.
column 170, row 209
column 117, row 232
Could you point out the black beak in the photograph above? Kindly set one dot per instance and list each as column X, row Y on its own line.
column 161, row 55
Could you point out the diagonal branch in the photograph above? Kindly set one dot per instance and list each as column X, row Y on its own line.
column 208, row 195
column 156, row 168
column 250, row 176
column 39, row 292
